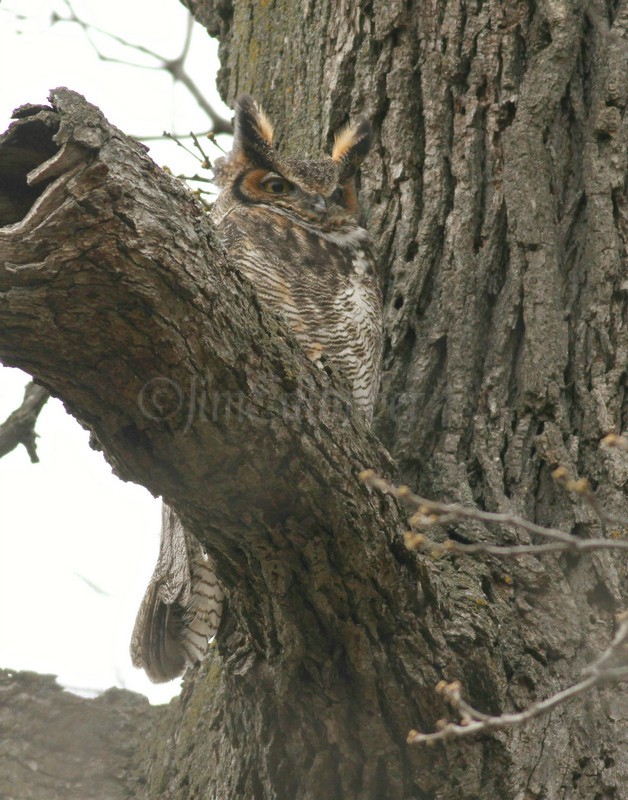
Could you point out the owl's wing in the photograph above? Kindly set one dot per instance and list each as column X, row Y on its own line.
column 181, row 608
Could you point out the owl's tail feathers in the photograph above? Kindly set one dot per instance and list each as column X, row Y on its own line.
column 156, row 639
column 172, row 633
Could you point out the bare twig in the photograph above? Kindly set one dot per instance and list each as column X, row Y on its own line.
column 174, row 66
column 159, row 137
column 430, row 513
column 610, row 667
column 613, row 440
column 583, row 489
column 211, row 135
column 205, row 161
column 198, row 178
column 19, row 427
column 417, row 541
column 175, row 139
column 177, row 136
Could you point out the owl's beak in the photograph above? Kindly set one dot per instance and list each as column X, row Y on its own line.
column 319, row 204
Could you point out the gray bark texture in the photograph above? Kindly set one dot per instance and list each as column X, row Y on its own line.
column 496, row 195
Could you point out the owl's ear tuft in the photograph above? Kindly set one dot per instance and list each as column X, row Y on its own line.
column 351, row 146
column 253, row 138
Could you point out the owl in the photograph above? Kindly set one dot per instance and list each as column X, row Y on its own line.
column 292, row 227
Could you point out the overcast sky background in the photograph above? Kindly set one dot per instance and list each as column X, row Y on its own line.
column 77, row 545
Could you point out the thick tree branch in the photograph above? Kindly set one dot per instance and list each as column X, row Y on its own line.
column 115, row 294
column 19, row 427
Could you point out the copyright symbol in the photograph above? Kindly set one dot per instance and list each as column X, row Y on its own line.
column 160, row 398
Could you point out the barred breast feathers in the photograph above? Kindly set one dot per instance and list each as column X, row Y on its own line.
column 332, row 311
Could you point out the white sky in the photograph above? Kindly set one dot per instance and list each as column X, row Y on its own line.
column 67, row 522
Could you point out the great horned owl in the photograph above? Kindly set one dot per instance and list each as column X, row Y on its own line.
column 292, row 227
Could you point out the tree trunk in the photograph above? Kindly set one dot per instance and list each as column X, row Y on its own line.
column 496, row 195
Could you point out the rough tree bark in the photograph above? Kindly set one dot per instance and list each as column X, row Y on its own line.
column 496, row 195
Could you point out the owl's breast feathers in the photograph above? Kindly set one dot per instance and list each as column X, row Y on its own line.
column 324, row 283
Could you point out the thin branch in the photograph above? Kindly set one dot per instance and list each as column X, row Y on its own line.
column 205, row 161
column 87, row 27
column 583, row 489
column 417, row 541
column 175, row 139
column 199, row 179
column 174, row 66
column 159, row 137
column 430, row 513
column 219, row 123
column 188, row 36
column 609, row 667
column 19, row 427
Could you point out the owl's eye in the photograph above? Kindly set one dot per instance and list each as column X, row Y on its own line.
column 338, row 196
column 275, row 184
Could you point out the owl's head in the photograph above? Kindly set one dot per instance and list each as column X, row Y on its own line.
column 320, row 193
